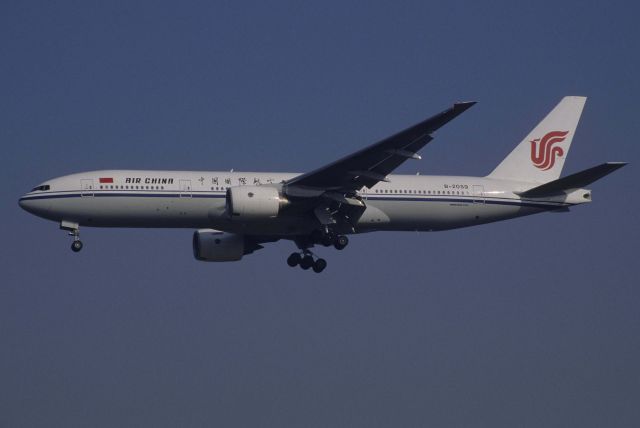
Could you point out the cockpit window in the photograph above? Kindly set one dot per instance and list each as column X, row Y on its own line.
column 41, row 188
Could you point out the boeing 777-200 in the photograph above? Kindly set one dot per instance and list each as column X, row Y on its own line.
column 235, row 213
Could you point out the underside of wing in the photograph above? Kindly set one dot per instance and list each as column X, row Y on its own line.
column 372, row 164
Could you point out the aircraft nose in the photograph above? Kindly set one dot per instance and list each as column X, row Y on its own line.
column 29, row 205
column 24, row 204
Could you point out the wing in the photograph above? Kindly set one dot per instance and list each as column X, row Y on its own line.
column 372, row 164
column 254, row 243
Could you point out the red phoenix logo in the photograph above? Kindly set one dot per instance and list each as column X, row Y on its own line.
column 544, row 155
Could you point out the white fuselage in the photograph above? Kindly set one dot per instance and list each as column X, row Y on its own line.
column 196, row 199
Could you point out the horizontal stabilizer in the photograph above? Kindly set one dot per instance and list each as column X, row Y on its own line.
column 573, row 181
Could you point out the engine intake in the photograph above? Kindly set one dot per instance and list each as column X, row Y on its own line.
column 211, row 245
column 253, row 202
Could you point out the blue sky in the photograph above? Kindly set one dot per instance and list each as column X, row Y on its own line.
column 530, row 322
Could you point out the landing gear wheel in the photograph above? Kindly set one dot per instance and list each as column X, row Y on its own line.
column 341, row 242
column 319, row 265
column 294, row 259
column 306, row 262
column 76, row 246
column 327, row 239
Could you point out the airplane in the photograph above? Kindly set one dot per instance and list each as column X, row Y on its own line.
column 235, row 213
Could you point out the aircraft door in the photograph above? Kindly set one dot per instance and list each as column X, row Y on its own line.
column 478, row 194
column 185, row 188
column 86, row 187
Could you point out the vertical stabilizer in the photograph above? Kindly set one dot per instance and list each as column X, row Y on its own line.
column 539, row 158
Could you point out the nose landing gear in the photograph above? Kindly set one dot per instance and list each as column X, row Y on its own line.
column 76, row 245
column 74, row 230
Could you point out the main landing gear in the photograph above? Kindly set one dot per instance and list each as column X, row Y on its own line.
column 306, row 260
column 340, row 242
column 74, row 230
column 328, row 239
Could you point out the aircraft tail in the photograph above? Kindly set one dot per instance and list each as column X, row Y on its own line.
column 539, row 158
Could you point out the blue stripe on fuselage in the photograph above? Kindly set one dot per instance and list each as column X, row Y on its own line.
column 398, row 198
column 120, row 194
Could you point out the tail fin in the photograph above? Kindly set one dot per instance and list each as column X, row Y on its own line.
column 540, row 156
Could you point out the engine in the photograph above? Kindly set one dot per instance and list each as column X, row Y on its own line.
column 214, row 246
column 254, row 202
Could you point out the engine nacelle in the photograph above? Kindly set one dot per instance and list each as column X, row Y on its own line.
column 253, row 202
column 211, row 245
